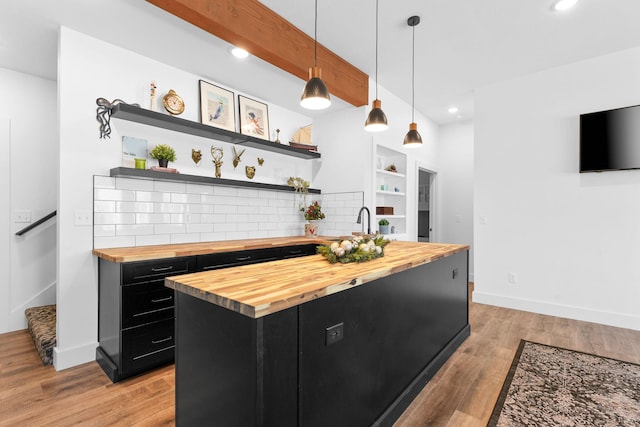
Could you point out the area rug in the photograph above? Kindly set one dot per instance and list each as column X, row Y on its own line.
column 551, row 386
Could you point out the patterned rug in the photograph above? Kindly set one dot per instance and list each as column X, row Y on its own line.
column 551, row 386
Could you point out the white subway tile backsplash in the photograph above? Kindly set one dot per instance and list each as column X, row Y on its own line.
column 117, row 195
column 139, row 212
column 169, row 187
column 104, row 182
column 199, row 189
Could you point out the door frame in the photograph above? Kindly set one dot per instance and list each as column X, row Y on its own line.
column 433, row 228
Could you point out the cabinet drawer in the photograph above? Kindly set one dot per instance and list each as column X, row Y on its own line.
column 297, row 251
column 146, row 302
column 148, row 346
column 231, row 259
column 144, row 271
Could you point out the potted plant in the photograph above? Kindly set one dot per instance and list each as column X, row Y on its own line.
column 384, row 226
column 163, row 154
column 312, row 214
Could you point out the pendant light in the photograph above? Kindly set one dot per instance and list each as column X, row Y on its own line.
column 315, row 95
column 377, row 120
column 413, row 138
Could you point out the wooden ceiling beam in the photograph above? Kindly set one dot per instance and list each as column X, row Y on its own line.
column 254, row 27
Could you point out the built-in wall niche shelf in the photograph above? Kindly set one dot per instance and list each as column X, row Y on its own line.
column 391, row 193
column 176, row 124
column 198, row 179
column 390, row 174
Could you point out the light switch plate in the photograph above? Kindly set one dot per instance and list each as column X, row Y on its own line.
column 82, row 217
column 22, row 216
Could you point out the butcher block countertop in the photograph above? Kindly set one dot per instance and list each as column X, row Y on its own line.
column 257, row 290
column 146, row 253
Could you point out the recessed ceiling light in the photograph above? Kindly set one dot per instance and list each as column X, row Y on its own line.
column 561, row 5
column 239, row 53
column 453, row 110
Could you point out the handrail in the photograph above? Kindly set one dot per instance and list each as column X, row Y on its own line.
column 35, row 224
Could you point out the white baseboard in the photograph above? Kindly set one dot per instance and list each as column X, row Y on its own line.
column 620, row 320
column 68, row 358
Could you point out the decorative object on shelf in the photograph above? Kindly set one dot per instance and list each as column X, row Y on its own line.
column 133, row 149
column 196, row 156
column 277, row 141
column 391, row 168
column 254, row 118
column 141, row 163
column 413, row 138
column 315, row 95
column 313, row 213
column 163, row 154
column 302, row 139
column 217, row 153
column 163, row 169
column 236, row 156
column 103, row 115
column 152, row 96
column 173, row 103
column 376, row 120
column 393, row 229
column 384, row 210
column 384, row 226
column 299, row 186
column 359, row 249
column 250, row 171
column 217, row 106
column 260, row 161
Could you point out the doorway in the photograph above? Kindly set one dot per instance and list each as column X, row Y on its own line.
column 426, row 205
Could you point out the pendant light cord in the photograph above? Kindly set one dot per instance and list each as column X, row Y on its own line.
column 315, row 38
column 376, row 49
column 413, row 76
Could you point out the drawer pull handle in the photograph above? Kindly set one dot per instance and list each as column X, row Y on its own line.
column 162, row 299
column 161, row 341
column 244, row 258
column 142, row 356
column 295, row 252
column 159, row 269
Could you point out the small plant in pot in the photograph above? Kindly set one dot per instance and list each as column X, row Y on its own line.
column 384, row 226
column 163, row 154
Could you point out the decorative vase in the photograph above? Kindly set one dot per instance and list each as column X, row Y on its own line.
column 163, row 163
column 311, row 229
column 384, row 229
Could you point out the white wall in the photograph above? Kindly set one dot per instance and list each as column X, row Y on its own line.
column 88, row 69
column 573, row 240
column 455, row 185
column 33, row 168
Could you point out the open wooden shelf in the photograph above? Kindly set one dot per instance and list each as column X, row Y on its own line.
column 176, row 124
column 198, row 179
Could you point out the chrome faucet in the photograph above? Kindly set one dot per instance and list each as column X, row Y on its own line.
column 359, row 220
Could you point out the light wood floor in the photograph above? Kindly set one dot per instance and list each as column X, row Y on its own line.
column 461, row 394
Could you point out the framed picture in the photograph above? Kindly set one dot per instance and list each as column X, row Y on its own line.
column 254, row 118
column 217, row 107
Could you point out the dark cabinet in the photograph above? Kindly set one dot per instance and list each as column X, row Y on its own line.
column 136, row 315
column 136, row 311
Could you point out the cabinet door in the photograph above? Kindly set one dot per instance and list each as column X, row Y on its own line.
column 231, row 259
column 147, row 346
column 146, row 302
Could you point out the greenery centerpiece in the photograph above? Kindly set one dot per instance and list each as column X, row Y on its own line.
column 163, row 154
column 358, row 249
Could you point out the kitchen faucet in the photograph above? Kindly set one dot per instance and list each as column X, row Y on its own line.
column 359, row 220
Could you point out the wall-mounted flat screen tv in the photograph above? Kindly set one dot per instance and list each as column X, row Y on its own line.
column 610, row 140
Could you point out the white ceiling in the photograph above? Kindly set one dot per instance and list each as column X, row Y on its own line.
column 460, row 44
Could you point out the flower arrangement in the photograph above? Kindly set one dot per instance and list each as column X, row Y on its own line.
column 313, row 212
column 360, row 249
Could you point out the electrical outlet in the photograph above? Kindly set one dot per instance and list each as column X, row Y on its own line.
column 82, row 217
column 334, row 333
column 22, row 216
column 513, row 277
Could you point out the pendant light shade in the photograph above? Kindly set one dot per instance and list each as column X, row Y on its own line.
column 315, row 95
column 413, row 138
column 377, row 120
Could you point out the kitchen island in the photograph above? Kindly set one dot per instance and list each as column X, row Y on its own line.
column 301, row 342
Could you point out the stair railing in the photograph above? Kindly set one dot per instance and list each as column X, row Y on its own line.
column 35, row 224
